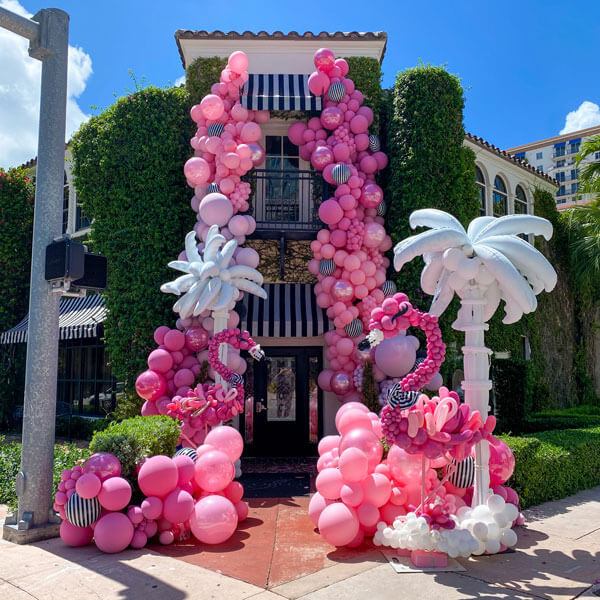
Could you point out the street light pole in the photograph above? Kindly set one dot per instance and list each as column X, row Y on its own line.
column 48, row 33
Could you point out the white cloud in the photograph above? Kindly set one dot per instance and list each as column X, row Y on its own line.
column 179, row 81
column 587, row 115
column 20, row 78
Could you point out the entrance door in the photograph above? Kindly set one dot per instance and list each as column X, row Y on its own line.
column 287, row 407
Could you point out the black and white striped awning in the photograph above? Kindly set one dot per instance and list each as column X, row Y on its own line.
column 290, row 310
column 79, row 318
column 279, row 92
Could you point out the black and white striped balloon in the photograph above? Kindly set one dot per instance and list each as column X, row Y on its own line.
column 418, row 362
column 397, row 398
column 336, row 91
column 340, row 173
column 216, row 129
column 82, row 512
column 326, row 266
column 354, row 328
column 381, row 208
column 389, row 288
column 212, row 188
column 374, row 143
column 464, row 474
column 191, row 452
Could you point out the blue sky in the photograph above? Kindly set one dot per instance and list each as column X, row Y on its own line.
column 524, row 65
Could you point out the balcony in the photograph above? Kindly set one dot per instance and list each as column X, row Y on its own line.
column 565, row 151
column 285, row 203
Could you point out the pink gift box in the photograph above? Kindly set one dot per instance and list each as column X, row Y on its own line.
column 424, row 559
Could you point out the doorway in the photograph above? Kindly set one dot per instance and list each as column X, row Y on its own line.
column 285, row 404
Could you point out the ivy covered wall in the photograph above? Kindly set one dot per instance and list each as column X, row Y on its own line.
column 366, row 74
column 200, row 76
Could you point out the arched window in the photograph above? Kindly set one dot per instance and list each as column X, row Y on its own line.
column 500, row 197
column 520, row 201
column 480, row 183
column 65, row 219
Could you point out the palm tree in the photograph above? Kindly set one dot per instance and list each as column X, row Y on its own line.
column 486, row 263
column 589, row 177
column 583, row 226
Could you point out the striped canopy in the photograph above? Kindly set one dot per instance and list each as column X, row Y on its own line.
column 79, row 318
column 279, row 92
column 290, row 310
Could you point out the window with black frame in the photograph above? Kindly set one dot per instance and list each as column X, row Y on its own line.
column 480, row 182
column 500, row 197
column 282, row 185
column 520, row 201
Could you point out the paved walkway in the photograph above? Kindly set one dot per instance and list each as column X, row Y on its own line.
column 277, row 555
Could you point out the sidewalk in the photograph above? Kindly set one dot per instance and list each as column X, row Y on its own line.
column 558, row 556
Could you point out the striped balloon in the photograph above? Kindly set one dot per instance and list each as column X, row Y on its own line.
column 82, row 512
column 381, row 208
column 326, row 266
column 212, row 188
column 398, row 398
column 464, row 474
column 340, row 173
column 389, row 288
column 418, row 362
column 354, row 328
column 374, row 143
column 336, row 91
column 216, row 129
column 191, row 452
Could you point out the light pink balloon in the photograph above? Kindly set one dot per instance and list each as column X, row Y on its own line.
column 316, row 506
column 338, row 524
column 353, row 464
column 75, row 536
column 341, row 383
column 250, row 132
column 234, row 491
column 178, row 506
column 377, row 488
column 214, row 519
column 212, row 107
column 354, row 419
column 329, row 483
column 113, row 532
column 248, row 257
column 228, row 440
column 374, row 235
column 238, row 61
column 368, row 514
column 330, row 212
column 238, row 225
column 214, row 471
column 395, row 356
column 139, row 539
column 405, row 467
column 196, row 170
column 327, row 443
column 88, row 485
column 215, row 209
column 366, row 441
column 158, row 476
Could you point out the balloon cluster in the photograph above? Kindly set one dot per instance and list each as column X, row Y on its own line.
column 348, row 254
column 192, row 492
column 434, row 426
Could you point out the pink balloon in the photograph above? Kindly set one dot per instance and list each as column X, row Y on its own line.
column 502, row 461
column 139, row 539
column 341, row 383
column 160, row 361
column 196, row 170
column 368, row 514
column 238, row 225
column 353, row 464
column 227, row 439
column 405, row 467
column 257, row 153
column 158, row 476
column 329, row 483
column 212, row 107
column 395, row 356
column 324, row 379
column 214, row 471
column 113, row 532
column 374, row 235
column 368, row 165
column 242, row 510
column 178, row 506
column 318, row 83
column 295, row 132
column 183, row 377
column 215, row 209
column 196, row 339
column 342, row 65
column 332, row 117
column 115, row 493
column 352, row 494
column 75, row 536
column 316, row 506
column 250, row 132
column 321, row 157
column 345, row 347
column 214, row 519
column 348, row 406
column 354, row 419
column 248, row 257
column 103, row 465
column 150, row 385
column 88, row 485
column 238, row 61
column 371, row 195
column 377, row 488
column 135, row 514
column 234, row 491
column 324, row 59
column 185, row 469
column 327, row 443
column 359, row 124
column 152, row 507
column 330, row 212
column 338, row 524
column 159, row 334
column 366, row 441
column 239, row 113
column 174, row 340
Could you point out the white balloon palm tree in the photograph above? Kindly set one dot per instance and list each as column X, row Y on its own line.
column 209, row 282
column 486, row 263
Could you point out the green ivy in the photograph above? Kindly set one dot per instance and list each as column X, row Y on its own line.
column 366, row 74
column 128, row 168
column 201, row 74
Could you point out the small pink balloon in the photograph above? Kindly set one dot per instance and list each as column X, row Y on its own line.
column 330, row 212
column 248, row 257
column 324, row 379
column 158, row 476
column 196, row 339
column 75, row 536
column 374, row 235
column 377, row 488
column 178, row 506
column 238, row 225
column 341, row 383
column 103, row 465
column 328, row 443
column 295, row 132
column 318, row 83
column 174, row 340
column 251, row 132
column 135, row 514
column 214, row 471
column 88, row 485
column 139, row 540
column 329, row 483
column 166, row 537
column 214, row 519
column 152, row 507
column 159, row 334
column 113, row 532
column 115, row 493
column 242, row 510
column 185, row 468
column 338, row 524
column 502, row 461
column 228, row 440
column 366, row 441
column 196, row 171
column 160, row 361
column 234, row 491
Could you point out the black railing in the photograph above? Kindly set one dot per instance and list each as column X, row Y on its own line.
column 286, row 200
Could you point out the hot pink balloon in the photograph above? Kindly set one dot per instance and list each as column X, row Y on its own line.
column 88, row 485
column 185, row 469
column 158, row 476
column 174, row 340
column 178, row 506
column 103, row 465
column 324, row 59
column 113, row 532
column 214, row 519
column 160, row 360
column 321, row 157
column 75, row 536
column 338, row 524
column 342, row 65
column 371, row 195
column 318, row 83
column 332, row 117
column 215, row 209
column 341, row 383
column 227, row 439
column 196, row 339
column 295, row 132
column 359, row 124
column 502, row 461
column 152, row 507
column 150, row 385
column 115, row 493
column 214, row 471
column 368, row 165
column 330, row 212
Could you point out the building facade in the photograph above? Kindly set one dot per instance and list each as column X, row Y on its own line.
column 556, row 157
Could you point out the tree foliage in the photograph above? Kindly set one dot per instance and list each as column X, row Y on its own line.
column 589, row 177
column 366, row 74
column 200, row 76
column 128, row 164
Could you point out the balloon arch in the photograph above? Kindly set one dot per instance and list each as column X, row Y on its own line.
column 377, row 477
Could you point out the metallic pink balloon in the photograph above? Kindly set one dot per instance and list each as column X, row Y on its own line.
column 371, row 195
column 258, row 153
column 364, row 440
column 150, row 385
column 342, row 290
column 103, row 465
column 341, row 383
column 196, row 338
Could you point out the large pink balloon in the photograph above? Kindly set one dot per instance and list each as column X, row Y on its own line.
column 196, row 339
column 295, row 132
column 405, row 467
column 364, row 440
column 88, row 485
column 214, row 519
column 113, row 532
column 338, row 524
column 115, row 493
column 196, row 170
column 329, row 483
column 212, row 107
column 502, row 461
column 354, row 419
column 395, row 356
column 332, row 117
column 321, row 157
column 214, row 471
column 227, row 439
column 178, row 506
column 374, row 235
column 251, row 132
column 330, row 212
column 174, row 340
column 377, row 489
column 75, row 536
column 324, row 59
column 318, row 83
column 353, row 465
column 215, row 209
column 327, row 443
column 348, row 406
column 103, row 465
column 158, row 476
column 371, row 195
column 150, row 385
column 238, row 62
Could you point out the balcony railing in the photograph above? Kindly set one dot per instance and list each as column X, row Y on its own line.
column 286, row 201
column 565, row 151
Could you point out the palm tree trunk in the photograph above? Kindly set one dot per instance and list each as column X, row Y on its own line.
column 477, row 383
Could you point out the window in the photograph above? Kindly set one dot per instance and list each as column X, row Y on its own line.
column 560, row 163
column 560, row 176
column 561, row 191
column 65, row 216
column 540, row 168
column 574, row 188
column 480, row 183
column 538, row 156
column 81, row 221
column 597, row 156
column 574, row 148
column 500, row 197
column 281, row 188
column 520, row 201
column 560, row 151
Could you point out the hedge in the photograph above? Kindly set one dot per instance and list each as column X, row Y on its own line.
column 554, row 464
column 201, row 74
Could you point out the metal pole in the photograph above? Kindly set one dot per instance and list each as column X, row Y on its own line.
column 34, row 521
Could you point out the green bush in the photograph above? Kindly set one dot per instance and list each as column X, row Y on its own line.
column 200, row 76
column 366, row 74
column 554, row 464
column 65, row 457
column 134, row 439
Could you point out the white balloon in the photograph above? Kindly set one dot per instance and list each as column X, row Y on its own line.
column 495, row 503
column 492, row 546
column 508, row 538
